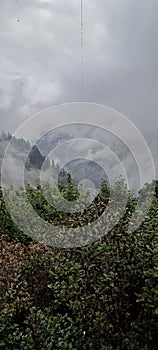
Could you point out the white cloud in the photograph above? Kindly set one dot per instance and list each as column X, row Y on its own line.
column 40, row 52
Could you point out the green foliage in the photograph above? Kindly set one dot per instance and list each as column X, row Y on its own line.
column 104, row 189
column 103, row 296
column 48, row 209
column 69, row 191
column 7, row 225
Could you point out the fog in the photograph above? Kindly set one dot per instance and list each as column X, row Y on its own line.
column 40, row 61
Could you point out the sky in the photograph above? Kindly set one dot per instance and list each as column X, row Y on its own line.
column 40, row 58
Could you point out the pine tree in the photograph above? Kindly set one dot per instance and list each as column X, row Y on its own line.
column 71, row 192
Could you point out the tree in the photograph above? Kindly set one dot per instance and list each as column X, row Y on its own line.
column 104, row 189
column 70, row 192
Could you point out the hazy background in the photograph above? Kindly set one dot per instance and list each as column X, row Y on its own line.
column 40, row 57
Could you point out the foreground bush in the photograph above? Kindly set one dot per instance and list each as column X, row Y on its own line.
column 102, row 296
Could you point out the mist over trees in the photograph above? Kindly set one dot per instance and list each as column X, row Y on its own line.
column 98, row 295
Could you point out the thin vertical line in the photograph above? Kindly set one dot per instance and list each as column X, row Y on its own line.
column 83, row 96
column 82, row 52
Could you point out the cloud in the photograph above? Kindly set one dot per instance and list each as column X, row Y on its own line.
column 40, row 63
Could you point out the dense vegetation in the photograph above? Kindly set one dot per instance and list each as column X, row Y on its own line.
column 100, row 296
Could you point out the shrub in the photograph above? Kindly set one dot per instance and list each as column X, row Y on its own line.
column 101, row 296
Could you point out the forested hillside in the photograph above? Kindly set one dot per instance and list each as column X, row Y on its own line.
column 21, row 154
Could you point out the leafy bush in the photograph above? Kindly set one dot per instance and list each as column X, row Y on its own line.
column 7, row 225
column 101, row 296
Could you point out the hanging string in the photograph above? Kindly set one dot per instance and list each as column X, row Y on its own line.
column 84, row 306
column 82, row 41
column 82, row 52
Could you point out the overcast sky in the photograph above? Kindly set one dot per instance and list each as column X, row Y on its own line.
column 40, row 57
